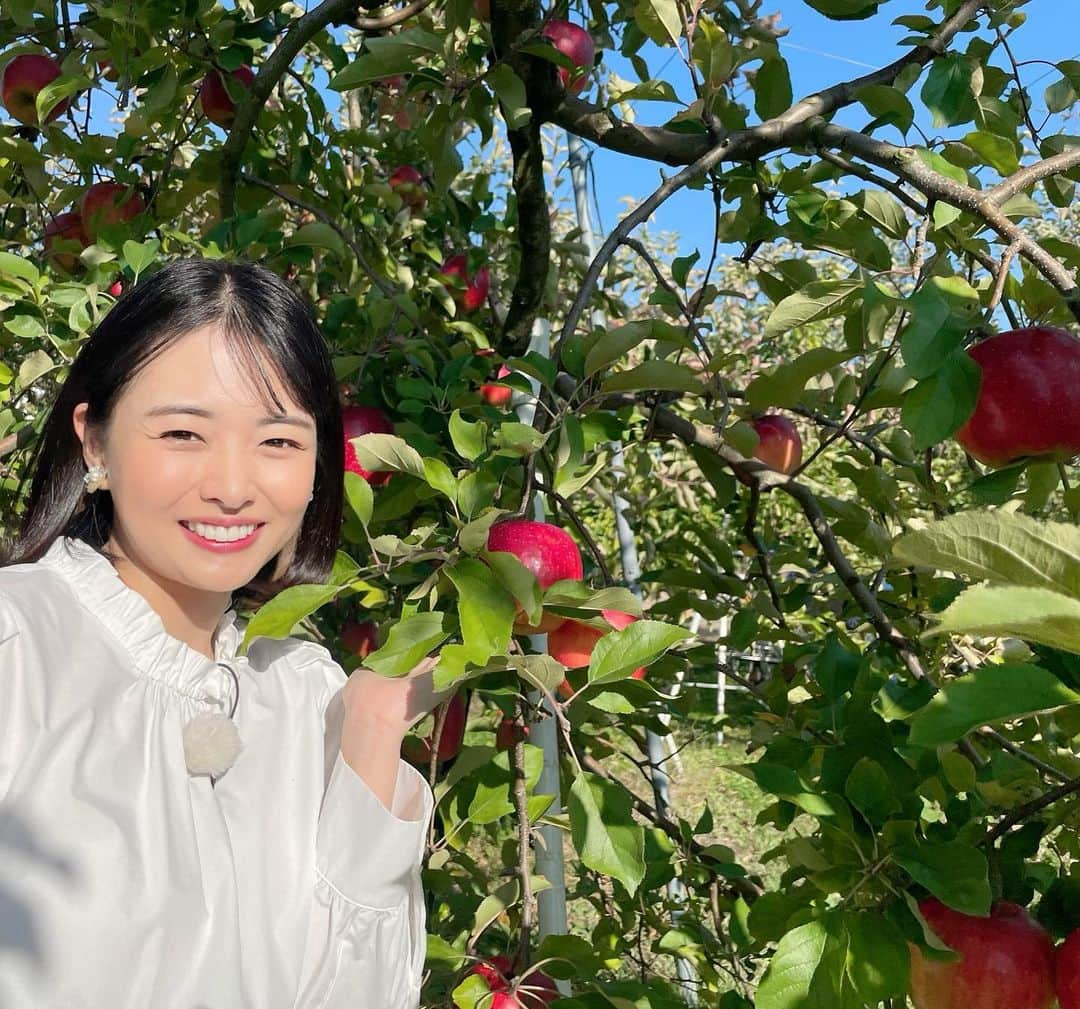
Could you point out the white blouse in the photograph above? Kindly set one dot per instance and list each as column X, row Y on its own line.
column 128, row 883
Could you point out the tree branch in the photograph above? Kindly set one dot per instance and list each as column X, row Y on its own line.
column 270, row 72
column 1021, row 813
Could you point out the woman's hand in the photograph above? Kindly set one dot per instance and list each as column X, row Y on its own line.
column 379, row 711
column 390, row 706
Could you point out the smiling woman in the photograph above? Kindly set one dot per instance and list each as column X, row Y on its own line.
column 192, row 462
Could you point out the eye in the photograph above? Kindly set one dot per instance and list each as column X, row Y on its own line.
column 284, row 442
column 169, row 434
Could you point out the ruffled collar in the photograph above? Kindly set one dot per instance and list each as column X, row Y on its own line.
column 131, row 619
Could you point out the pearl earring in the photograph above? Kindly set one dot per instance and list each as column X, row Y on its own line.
column 94, row 477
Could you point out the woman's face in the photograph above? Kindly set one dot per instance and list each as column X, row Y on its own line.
column 237, row 461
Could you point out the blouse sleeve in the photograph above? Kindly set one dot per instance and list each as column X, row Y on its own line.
column 367, row 930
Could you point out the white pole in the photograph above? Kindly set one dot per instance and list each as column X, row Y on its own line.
column 630, row 566
column 548, row 845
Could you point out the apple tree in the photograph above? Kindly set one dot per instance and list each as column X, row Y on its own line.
column 847, row 430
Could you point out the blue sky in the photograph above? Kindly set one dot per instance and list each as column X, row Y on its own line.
column 819, row 53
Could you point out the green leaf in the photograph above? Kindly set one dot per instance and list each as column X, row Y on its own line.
column 682, row 265
column 279, row 617
column 990, row 694
column 439, row 477
column 377, row 452
column 845, row 10
column 659, row 19
column 511, row 93
column 792, row 979
column 469, row 438
column 619, row 653
column 821, row 299
column 653, row 375
column 999, row 547
column 616, row 343
column 939, row 405
column 887, row 104
column 998, row 152
column 318, row 235
column 485, row 608
column 942, row 311
column 884, row 210
column 603, row 829
column 1039, row 615
column 954, row 872
column 947, row 92
column 140, row 255
column 878, row 960
column 784, row 385
column 772, row 88
column 869, row 790
column 518, row 580
column 360, row 497
column 16, row 266
column 401, row 53
column 515, row 438
column 410, row 640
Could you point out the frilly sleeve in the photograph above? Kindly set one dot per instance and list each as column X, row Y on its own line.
column 367, row 931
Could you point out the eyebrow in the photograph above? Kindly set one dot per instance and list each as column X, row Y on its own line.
column 198, row 411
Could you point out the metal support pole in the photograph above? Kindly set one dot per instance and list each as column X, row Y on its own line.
column 630, row 566
column 548, row 844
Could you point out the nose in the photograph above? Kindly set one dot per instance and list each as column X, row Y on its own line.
column 229, row 475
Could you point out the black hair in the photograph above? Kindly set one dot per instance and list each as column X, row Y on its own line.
column 260, row 316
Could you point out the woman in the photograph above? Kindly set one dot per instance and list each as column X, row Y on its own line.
column 183, row 825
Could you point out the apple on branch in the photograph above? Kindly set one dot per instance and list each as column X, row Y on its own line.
column 779, row 444
column 533, row 990
column 417, row 751
column 549, row 552
column 214, row 98
column 106, row 204
column 572, row 643
column 1006, row 960
column 508, row 733
column 1067, row 971
column 475, row 291
column 360, row 637
column 573, row 41
column 408, row 183
column 355, row 421
column 65, row 228
column 1028, row 404
column 23, row 78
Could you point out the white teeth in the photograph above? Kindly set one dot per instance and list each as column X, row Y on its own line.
column 220, row 534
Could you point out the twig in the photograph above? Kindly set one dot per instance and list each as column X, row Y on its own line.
column 999, row 280
column 1021, row 813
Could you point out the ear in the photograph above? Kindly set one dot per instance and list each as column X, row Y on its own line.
column 86, row 434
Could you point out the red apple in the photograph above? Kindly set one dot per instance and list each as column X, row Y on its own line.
column 360, row 638
column 23, row 77
column 358, row 420
column 573, row 41
column 1067, row 971
column 508, row 733
column 535, row 990
column 779, row 444
column 476, row 287
column 1007, row 960
column 418, row 751
column 66, row 227
column 214, row 97
column 572, row 643
column 497, row 395
column 547, row 551
column 106, row 204
column 1028, row 404
column 390, row 101
column 408, row 183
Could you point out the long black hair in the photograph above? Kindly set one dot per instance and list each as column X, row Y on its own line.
column 260, row 315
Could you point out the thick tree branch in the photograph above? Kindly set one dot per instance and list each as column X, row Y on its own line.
column 788, row 129
column 985, row 204
column 603, row 127
column 270, row 72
